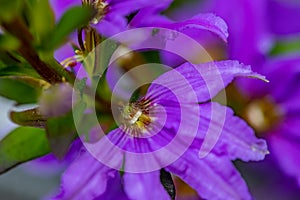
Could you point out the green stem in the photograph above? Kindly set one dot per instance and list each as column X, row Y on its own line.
column 52, row 72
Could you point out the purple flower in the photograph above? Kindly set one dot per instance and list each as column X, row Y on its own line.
column 272, row 109
column 111, row 14
column 202, row 28
column 165, row 129
column 275, row 102
column 254, row 26
column 109, row 20
column 279, row 124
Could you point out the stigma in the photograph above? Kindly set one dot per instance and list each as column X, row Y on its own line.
column 136, row 117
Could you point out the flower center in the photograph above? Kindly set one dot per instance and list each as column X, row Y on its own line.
column 136, row 117
column 262, row 114
column 101, row 7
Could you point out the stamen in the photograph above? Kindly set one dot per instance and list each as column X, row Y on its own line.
column 100, row 6
column 73, row 60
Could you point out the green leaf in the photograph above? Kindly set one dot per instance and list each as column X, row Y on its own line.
column 22, row 89
column 167, row 182
column 72, row 19
column 7, row 59
column 21, row 145
column 30, row 117
column 2, row 64
column 8, row 42
column 285, row 46
column 9, row 9
column 19, row 71
column 178, row 4
column 60, row 133
column 42, row 19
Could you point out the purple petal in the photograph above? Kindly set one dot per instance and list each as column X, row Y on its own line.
column 208, row 22
column 110, row 26
column 149, row 17
column 86, row 178
column 289, row 128
column 130, row 6
column 248, row 37
column 207, row 29
column 237, row 139
column 287, row 70
column 291, row 106
column 145, row 186
column 147, row 152
column 50, row 165
column 64, row 52
column 287, row 153
column 115, row 22
column 113, row 148
column 213, row 177
column 114, row 190
column 61, row 6
column 206, row 80
column 283, row 23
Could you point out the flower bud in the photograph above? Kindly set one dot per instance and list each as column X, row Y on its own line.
column 56, row 100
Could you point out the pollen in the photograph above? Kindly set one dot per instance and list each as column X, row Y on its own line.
column 136, row 117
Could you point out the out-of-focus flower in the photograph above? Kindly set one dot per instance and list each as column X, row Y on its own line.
column 146, row 127
column 253, row 28
column 110, row 15
column 247, row 35
column 272, row 109
column 202, row 27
